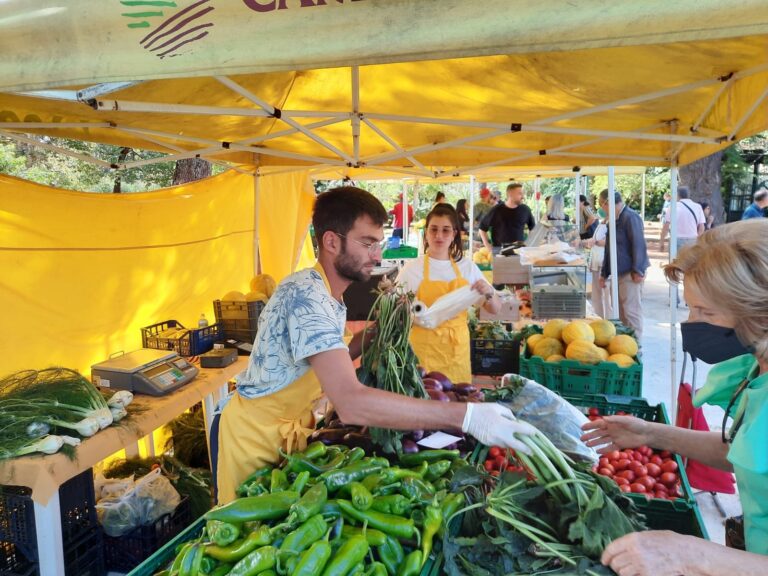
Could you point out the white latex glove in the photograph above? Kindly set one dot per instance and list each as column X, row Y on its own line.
column 495, row 425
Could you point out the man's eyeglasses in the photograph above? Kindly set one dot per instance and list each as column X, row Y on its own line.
column 738, row 419
column 373, row 247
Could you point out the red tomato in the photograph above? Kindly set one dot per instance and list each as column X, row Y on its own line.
column 488, row 465
column 622, row 464
column 620, row 480
column 502, row 463
column 494, row 452
column 628, row 474
column 602, row 462
column 668, row 479
column 646, row 481
column 659, row 487
column 638, row 469
column 495, row 472
column 628, row 455
column 593, row 412
column 625, row 488
column 653, row 470
column 655, row 459
column 669, row 466
column 605, row 472
column 614, row 455
column 621, row 413
column 514, row 469
column 637, row 488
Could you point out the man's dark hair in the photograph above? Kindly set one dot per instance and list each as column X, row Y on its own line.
column 337, row 210
column 761, row 195
column 604, row 196
column 513, row 186
column 683, row 192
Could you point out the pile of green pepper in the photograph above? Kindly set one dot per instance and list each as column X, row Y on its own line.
column 328, row 511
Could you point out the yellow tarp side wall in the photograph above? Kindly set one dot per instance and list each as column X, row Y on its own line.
column 82, row 273
column 285, row 212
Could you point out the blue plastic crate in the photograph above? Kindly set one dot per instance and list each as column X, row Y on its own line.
column 195, row 342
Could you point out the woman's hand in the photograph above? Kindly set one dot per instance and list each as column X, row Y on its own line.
column 654, row 553
column 616, row 432
column 484, row 288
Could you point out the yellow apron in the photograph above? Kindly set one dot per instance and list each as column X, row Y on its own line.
column 252, row 429
column 445, row 348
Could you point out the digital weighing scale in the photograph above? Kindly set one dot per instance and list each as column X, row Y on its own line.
column 148, row 371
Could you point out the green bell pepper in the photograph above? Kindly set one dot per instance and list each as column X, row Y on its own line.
column 222, row 533
column 264, row 507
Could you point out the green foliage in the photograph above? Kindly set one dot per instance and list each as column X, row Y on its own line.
column 631, row 185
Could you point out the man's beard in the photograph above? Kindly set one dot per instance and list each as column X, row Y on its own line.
column 350, row 267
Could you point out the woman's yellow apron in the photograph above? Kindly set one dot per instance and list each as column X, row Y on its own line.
column 252, row 430
column 445, row 348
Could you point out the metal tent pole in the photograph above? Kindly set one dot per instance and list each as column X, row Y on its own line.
column 612, row 241
column 673, row 289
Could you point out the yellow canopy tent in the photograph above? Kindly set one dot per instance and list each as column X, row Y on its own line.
column 294, row 85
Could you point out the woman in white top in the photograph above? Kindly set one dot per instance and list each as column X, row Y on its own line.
column 443, row 269
column 601, row 297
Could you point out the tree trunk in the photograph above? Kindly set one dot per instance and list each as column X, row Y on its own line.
column 703, row 179
column 191, row 169
column 117, row 188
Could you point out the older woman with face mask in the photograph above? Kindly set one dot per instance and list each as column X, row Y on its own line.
column 725, row 276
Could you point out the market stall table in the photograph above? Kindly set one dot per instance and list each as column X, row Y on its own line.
column 43, row 475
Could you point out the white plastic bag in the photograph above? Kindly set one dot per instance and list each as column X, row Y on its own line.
column 445, row 307
column 150, row 497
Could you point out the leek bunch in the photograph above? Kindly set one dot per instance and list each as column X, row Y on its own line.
column 44, row 410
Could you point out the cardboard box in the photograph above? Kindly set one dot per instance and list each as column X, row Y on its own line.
column 508, row 270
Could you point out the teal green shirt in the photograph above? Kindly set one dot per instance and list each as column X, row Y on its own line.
column 749, row 451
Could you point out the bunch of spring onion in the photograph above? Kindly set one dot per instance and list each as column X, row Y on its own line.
column 567, row 513
column 45, row 410
column 388, row 361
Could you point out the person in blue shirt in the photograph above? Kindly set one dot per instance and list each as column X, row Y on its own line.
column 631, row 262
column 725, row 276
column 757, row 208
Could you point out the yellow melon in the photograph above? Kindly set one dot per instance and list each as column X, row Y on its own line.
column 577, row 330
column 554, row 328
column 583, row 351
column 622, row 360
column 555, row 358
column 256, row 297
column 532, row 339
column 546, row 347
column 603, row 353
column 234, row 296
column 604, row 331
column 623, row 344
column 263, row 283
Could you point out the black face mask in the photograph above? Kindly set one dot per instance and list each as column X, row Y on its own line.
column 710, row 343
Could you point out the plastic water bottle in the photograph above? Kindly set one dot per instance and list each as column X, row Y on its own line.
column 203, row 322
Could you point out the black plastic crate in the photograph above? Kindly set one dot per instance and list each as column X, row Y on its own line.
column 195, row 342
column 124, row 553
column 238, row 320
column 17, row 524
column 85, row 555
column 13, row 562
column 18, row 532
column 495, row 357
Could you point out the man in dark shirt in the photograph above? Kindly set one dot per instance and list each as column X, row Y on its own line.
column 507, row 221
column 631, row 262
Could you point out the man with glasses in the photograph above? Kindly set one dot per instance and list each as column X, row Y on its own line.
column 300, row 354
column 631, row 262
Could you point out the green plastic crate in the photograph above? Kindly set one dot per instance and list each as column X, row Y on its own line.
column 570, row 377
column 400, row 253
column 610, row 404
column 160, row 559
column 676, row 515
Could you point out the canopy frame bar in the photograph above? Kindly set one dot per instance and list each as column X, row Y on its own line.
column 57, row 149
column 158, row 107
column 272, row 111
column 747, row 115
column 49, row 125
column 396, row 146
column 355, row 119
column 98, row 90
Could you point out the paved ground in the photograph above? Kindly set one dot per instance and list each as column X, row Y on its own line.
column 658, row 383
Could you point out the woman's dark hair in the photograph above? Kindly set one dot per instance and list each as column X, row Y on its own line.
column 337, row 210
column 461, row 208
column 439, row 196
column 456, row 250
column 704, row 205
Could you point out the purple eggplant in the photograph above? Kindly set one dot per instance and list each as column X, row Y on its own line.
column 410, row 447
column 432, row 384
column 464, row 388
column 438, row 395
column 417, row 435
column 442, row 378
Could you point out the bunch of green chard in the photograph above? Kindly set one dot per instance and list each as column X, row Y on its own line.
column 559, row 517
column 45, row 410
column 388, row 361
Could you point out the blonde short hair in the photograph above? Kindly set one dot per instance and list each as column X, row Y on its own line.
column 729, row 265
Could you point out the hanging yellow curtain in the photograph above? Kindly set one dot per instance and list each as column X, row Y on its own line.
column 83, row 272
column 285, row 212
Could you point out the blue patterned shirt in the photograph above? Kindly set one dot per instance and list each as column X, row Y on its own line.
column 300, row 320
